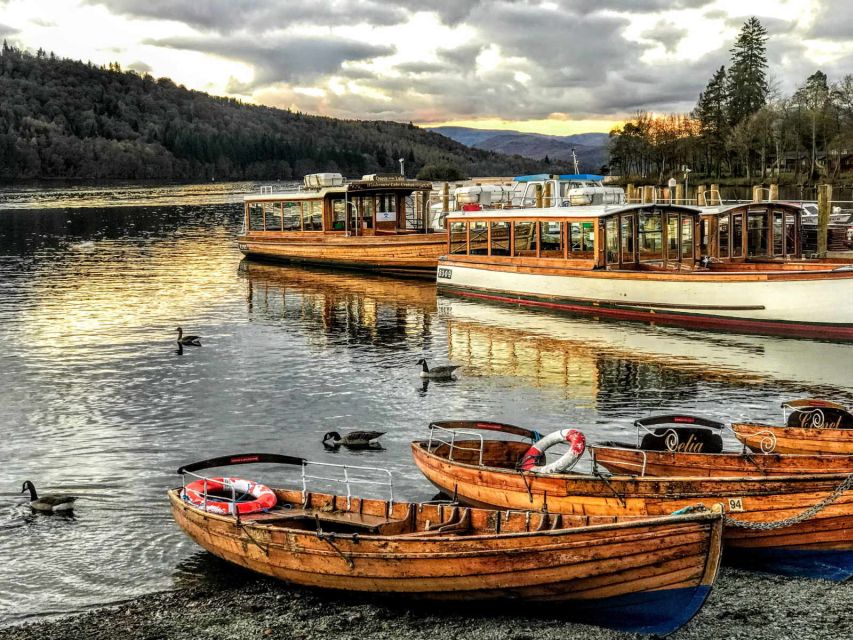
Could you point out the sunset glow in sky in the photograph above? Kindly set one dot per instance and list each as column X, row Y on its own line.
column 558, row 67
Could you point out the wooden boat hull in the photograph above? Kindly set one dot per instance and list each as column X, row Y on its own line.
column 811, row 440
column 767, row 302
column 828, row 534
column 415, row 254
column 624, row 460
column 647, row 576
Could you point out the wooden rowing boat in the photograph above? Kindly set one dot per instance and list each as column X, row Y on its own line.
column 811, row 426
column 483, row 473
column 639, row 575
column 687, row 445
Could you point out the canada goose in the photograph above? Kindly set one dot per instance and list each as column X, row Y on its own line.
column 352, row 440
column 438, row 373
column 194, row 341
column 48, row 504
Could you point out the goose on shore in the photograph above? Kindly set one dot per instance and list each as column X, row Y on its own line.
column 352, row 440
column 194, row 341
column 50, row 503
column 445, row 372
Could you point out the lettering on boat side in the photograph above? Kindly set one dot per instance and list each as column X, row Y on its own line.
column 691, row 446
column 244, row 459
column 445, row 273
column 735, row 505
column 242, row 247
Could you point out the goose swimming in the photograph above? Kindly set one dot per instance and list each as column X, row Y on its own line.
column 445, row 372
column 352, row 440
column 194, row 341
column 49, row 503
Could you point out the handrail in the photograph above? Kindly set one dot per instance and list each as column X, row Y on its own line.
column 452, row 442
column 347, row 481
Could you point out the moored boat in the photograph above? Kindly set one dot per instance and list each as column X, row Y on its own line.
column 685, row 445
column 798, row 525
column 650, row 263
column 811, row 426
column 376, row 223
column 640, row 575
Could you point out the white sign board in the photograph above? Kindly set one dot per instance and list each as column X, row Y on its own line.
column 386, row 216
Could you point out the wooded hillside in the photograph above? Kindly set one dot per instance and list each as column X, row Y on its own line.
column 65, row 118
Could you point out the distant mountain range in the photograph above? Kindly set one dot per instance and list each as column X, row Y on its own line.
column 590, row 148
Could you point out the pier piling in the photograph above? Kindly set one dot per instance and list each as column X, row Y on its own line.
column 824, row 198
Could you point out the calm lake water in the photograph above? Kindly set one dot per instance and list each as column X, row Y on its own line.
column 95, row 400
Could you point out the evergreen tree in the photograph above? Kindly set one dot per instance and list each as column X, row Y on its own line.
column 747, row 79
column 712, row 114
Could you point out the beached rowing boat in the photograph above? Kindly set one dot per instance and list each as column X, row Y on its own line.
column 639, row 575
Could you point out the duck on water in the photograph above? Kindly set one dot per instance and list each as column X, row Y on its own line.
column 50, row 503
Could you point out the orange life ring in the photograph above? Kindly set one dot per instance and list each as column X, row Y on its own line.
column 196, row 492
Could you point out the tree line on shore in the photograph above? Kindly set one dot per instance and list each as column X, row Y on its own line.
column 741, row 128
column 61, row 118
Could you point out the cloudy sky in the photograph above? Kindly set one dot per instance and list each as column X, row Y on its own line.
column 563, row 66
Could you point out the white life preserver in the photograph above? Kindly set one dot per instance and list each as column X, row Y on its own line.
column 198, row 493
column 565, row 462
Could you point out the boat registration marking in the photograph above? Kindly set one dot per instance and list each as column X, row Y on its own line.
column 445, row 273
column 735, row 504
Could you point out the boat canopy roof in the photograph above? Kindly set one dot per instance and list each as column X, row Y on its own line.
column 589, row 211
column 364, row 185
column 566, row 176
column 726, row 207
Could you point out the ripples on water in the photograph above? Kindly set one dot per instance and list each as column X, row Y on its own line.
column 96, row 401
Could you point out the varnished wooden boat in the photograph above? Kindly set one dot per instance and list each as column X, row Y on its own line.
column 483, row 473
column 687, row 445
column 376, row 223
column 639, row 575
column 811, row 426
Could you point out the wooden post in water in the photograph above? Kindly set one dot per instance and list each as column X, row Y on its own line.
column 548, row 201
column 538, row 196
column 715, row 195
column 824, row 198
column 774, row 192
column 445, row 197
column 700, row 196
column 679, row 194
column 756, row 193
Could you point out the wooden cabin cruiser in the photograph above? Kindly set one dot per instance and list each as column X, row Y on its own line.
column 633, row 574
column 811, row 426
column 688, row 445
column 378, row 222
column 645, row 262
column 794, row 524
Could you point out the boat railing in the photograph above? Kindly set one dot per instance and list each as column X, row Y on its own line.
column 626, row 463
column 204, row 493
column 347, row 479
column 448, row 437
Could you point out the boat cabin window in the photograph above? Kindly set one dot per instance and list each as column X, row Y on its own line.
column 737, row 235
column 792, row 245
column 292, row 216
column 611, row 230
column 672, row 245
column 458, row 237
column 550, row 239
column 479, row 238
column 386, row 207
column 650, row 236
column 686, row 237
column 525, row 239
column 411, row 217
column 581, row 237
column 272, row 216
column 499, row 239
column 312, row 215
column 756, row 240
column 627, row 238
column 366, row 208
column 778, row 233
column 723, row 236
column 339, row 214
column 256, row 216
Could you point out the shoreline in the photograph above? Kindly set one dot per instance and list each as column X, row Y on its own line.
column 240, row 605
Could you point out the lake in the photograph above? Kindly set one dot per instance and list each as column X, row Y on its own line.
column 97, row 401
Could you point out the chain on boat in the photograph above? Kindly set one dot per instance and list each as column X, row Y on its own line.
column 800, row 517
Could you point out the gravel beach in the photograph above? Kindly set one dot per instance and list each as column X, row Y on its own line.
column 743, row 605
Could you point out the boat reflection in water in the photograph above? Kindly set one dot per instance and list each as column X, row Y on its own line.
column 356, row 307
column 585, row 355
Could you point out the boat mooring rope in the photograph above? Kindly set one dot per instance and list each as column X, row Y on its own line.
column 800, row 517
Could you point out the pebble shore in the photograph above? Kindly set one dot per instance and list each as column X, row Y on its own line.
column 742, row 605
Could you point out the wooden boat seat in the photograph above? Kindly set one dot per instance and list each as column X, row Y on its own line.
column 336, row 520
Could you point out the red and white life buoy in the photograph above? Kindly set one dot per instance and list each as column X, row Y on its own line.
column 194, row 493
column 577, row 443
